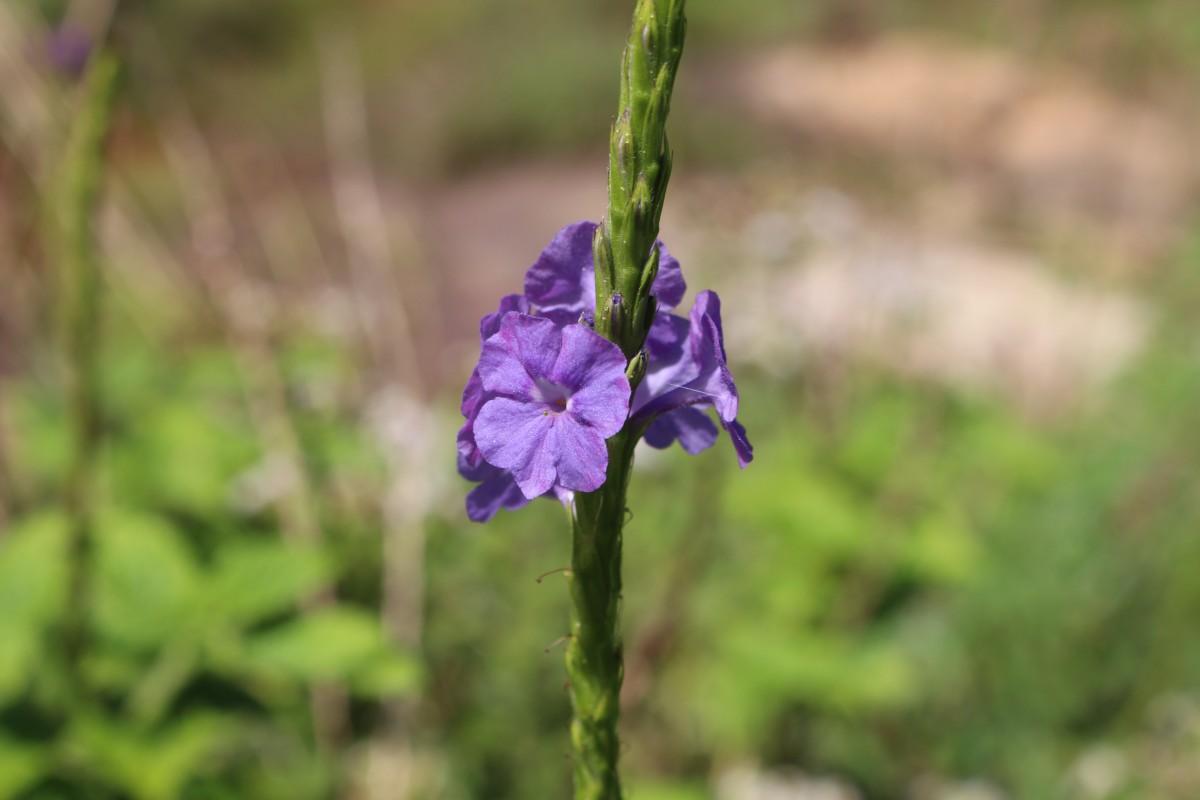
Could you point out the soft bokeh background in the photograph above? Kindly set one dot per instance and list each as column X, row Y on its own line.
column 957, row 247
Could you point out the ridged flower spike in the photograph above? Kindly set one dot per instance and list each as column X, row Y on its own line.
column 587, row 361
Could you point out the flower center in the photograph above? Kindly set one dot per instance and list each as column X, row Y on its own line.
column 553, row 395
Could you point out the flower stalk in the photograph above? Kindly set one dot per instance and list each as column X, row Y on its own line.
column 78, row 194
column 587, row 361
column 626, row 259
column 639, row 168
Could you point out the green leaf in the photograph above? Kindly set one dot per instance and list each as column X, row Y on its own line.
column 20, row 766
column 151, row 766
column 32, row 593
column 334, row 643
column 146, row 580
column 658, row 790
column 181, row 455
column 388, row 675
column 255, row 580
column 33, row 574
column 806, row 507
column 876, row 440
column 943, row 548
column 43, row 448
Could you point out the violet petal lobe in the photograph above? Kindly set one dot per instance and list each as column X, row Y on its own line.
column 690, row 426
column 669, row 286
column 497, row 487
column 473, row 399
column 563, row 277
column 700, row 378
column 468, row 452
column 594, row 371
column 665, row 339
column 496, row 490
column 520, row 437
column 493, row 494
column 581, row 458
column 490, row 324
column 473, row 395
column 523, row 349
column 737, row 434
column 562, row 282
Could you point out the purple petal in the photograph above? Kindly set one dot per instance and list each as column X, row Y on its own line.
column 523, row 350
column 594, row 369
column 472, row 400
column 671, row 364
column 669, row 286
column 691, row 427
column 469, row 457
column 564, row 496
column 582, row 458
column 473, row 395
column 717, row 383
column 699, row 378
column 666, row 337
column 563, row 277
column 737, row 434
column 562, row 283
column 498, row 490
column 520, row 437
column 490, row 324
column 710, row 381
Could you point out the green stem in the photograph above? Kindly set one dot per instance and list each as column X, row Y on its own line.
column 639, row 167
column 626, row 261
column 78, row 195
column 595, row 663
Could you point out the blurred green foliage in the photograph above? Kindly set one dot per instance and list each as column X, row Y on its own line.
column 199, row 666
column 907, row 581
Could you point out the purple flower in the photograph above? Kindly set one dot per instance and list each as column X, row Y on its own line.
column 497, row 488
column 673, row 390
column 555, row 395
column 70, row 48
column 547, row 391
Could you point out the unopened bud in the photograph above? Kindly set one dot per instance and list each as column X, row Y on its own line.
column 637, row 368
column 602, row 259
column 641, row 201
column 651, row 310
column 618, row 316
column 649, row 272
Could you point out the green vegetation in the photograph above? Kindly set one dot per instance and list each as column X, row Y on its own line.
column 909, row 581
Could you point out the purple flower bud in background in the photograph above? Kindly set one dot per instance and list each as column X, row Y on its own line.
column 69, row 48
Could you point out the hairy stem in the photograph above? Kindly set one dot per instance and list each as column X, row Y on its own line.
column 626, row 260
column 595, row 664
